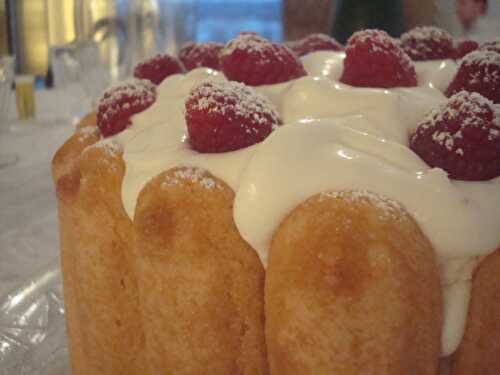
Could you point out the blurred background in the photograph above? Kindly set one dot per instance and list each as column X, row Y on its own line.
column 37, row 32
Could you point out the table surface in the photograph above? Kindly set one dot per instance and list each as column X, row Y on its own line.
column 28, row 215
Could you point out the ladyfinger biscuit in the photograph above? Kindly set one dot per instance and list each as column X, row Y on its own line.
column 352, row 287
column 86, row 134
column 479, row 351
column 201, row 285
column 66, row 178
column 101, row 300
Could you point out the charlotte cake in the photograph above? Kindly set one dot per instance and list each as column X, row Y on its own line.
column 375, row 210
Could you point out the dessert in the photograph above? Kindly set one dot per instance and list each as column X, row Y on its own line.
column 462, row 137
column 428, row 43
column 313, row 43
column 255, row 61
column 465, row 47
column 478, row 71
column 195, row 55
column 371, row 253
column 212, row 320
column 158, row 68
column 493, row 45
column 227, row 116
column 436, row 73
column 314, row 279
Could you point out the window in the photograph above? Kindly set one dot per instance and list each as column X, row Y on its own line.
column 221, row 20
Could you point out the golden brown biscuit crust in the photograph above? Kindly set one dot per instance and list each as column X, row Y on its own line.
column 479, row 352
column 201, row 285
column 352, row 288
column 102, row 316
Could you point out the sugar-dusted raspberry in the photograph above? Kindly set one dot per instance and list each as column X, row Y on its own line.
column 158, row 68
column 226, row 116
column 120, row 102
column 203, row 54
column 428, row 43
column 479, row 71
column 373, row 59
column 253, row 60
column 494, row 45
column 462, row 137
column 315, row 42
column 465, row 47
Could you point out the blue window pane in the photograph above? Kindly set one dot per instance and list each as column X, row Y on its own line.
column 221, row 20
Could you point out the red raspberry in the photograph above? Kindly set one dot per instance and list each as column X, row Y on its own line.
column 427, row 43
column 494, row 46
column 373, row 59
column 479, row 71
column 204, row 54
column 465, row 47
column 120, row 102
column 186, row 47
column 226, row 116
column 255, row 61
column 158, row 68
column 462, row 137
column 315, row 42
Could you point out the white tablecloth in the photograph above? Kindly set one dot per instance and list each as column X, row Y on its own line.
column 28, row 218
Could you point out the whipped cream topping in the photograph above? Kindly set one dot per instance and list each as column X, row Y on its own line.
column 435, row 74
column 358, row 134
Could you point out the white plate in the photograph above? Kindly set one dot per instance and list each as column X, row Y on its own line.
column 32, row 328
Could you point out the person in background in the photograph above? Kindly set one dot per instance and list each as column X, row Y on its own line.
column 477, row 24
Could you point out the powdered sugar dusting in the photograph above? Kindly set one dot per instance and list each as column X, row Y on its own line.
column 194, row 175
column 314, row 42
column 423, row 40
column 130, row 93
column 249, row 42
column 87, row 132
column 481, row 58
column 233, row 99
column 203, row 54
column 319, row 36
column 471, row 109
column 389, row 207
column 380, row 42
column 489, row 64
column 112, row 148
column 491, row 46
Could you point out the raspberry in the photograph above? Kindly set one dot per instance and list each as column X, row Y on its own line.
column 373, row 59
column 462, row 137
column 479, row 71
column 204, row 54
column 491, row 46
column 120, row 102
column 315, row 42
column 255, row 61
column 158, row 68
column 465, row 47
column 186, row 47
column 226, row 116
column 427, row 43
